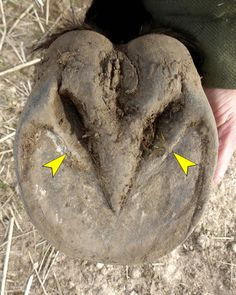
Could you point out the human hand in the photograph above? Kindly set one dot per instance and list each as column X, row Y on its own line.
column 223, row 104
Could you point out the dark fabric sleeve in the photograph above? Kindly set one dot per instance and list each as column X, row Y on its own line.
column 212, row 23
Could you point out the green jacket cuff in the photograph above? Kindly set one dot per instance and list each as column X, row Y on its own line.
column 212, row 24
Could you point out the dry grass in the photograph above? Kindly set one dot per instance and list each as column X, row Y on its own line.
column 205, row 264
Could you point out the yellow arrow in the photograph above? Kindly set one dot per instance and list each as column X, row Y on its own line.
column 184, row 163
column 55, row 164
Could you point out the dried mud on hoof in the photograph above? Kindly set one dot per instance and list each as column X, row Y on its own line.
column 118, row 113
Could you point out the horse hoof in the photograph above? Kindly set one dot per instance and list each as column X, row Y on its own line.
column 118, row 114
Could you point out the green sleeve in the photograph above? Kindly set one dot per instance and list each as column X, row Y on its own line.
column 212, row 23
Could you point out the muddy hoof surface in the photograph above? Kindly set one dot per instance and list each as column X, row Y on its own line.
column 118, row 114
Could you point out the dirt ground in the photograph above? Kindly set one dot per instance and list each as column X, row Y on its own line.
column 204, row 265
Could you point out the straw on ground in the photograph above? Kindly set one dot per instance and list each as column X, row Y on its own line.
column 20, row 67
column 5, row 268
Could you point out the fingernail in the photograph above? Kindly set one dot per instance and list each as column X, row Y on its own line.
column 217, row 179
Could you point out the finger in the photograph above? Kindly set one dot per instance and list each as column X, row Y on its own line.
column 224, row 155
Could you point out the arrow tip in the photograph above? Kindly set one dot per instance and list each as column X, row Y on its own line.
column 55, row 164
column 184, row 163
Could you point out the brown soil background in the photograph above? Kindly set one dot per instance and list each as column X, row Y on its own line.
column 204, row 265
